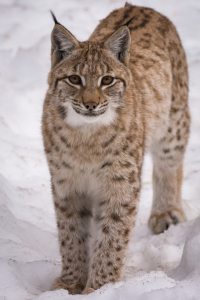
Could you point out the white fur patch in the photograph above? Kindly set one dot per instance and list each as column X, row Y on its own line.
column 74, row 119
column 83, row 80
column 99, row 81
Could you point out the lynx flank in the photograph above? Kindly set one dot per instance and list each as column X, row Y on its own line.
column 110, row 99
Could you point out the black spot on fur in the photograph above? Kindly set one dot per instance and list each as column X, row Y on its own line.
column 105, row 144
column 105, row 229
column 131, row 210
column 66, row 165
column 116, row 152
column 178, row 135
column 102, row 203
column 125, row 147
column 180, row 148
column 125, row 164
column 166, row 150
column 118, row 259
column 141, row 25
column 62, row 111
column 71, row 227
column 147, row 34
column 115, row 217
column 84, row 212
column 118, row 178
column 64, row 140
column 126, row 14
column 126, row 232
column 62, row 208
column 132, row 177
column 119, row 248
column 108, row 163
column 61, row 181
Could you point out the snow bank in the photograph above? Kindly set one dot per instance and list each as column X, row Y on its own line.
column 166, row 266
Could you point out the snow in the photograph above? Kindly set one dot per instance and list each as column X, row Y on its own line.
column 166, row 266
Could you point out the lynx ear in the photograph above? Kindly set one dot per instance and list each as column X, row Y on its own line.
column 118, row 43
column 63, row 43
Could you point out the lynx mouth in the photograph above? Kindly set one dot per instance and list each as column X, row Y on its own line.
column 90, row 113
column 78, row 116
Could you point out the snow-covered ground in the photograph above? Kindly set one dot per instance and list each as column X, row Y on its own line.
column 166, row 266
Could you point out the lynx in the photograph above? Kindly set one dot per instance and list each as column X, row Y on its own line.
column 110, row 99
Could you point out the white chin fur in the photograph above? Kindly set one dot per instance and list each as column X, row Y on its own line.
column 74, row 119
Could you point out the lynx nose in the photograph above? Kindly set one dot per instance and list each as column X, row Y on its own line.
column 90, row 105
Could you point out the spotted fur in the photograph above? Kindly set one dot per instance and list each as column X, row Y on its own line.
column 95, row 156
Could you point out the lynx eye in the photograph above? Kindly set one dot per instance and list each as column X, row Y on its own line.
column 75, row 79
column 107, row 80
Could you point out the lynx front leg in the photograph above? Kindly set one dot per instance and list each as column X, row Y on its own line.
column 115, row 219
column 73, row 218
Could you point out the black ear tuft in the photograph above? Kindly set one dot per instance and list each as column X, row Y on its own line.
column 63, row 43
column 54, row 17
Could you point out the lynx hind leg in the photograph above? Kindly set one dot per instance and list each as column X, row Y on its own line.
column 167, row 206
column 168, row 156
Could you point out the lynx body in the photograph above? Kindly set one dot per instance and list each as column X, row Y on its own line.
column 110, row 99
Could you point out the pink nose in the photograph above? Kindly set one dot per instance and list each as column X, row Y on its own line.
column 90, row 105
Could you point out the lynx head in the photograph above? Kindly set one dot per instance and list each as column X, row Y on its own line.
column 88, row 80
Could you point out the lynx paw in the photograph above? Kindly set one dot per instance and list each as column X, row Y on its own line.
column 87, row 291
column 159, row 222
column 75, row 288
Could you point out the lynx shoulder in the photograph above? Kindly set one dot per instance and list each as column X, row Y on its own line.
column 110, row 99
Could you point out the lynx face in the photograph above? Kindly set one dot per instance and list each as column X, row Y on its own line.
column 90, row 81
